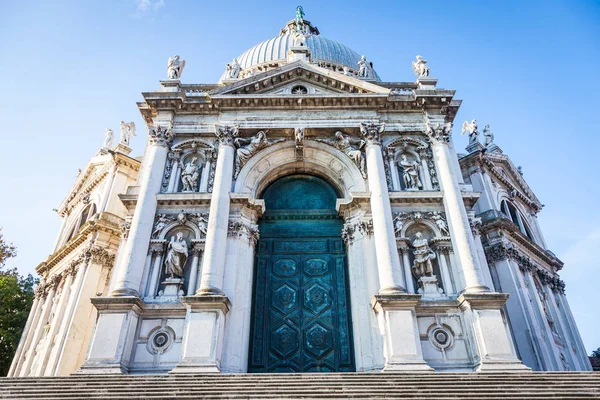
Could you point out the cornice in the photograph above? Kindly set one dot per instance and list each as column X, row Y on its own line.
column 429, row 197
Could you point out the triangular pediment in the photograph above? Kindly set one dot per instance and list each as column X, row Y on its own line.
column 504, row 169
column 291, row 79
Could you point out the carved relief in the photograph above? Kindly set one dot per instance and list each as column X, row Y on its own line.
column 244, row 230
column 247, row 147
column 226, row 134
column 160, row 136
column 351, row 147
column 437, row 217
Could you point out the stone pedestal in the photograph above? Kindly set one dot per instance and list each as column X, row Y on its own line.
column 398, row 324
column 429, row 287
column 473, row 147
column 426, row 83
column 495, row 350
column 203, row 334
column 112, row 341
column 173, row 289
column 298, row 53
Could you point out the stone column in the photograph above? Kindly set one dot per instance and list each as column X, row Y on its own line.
column 40, row 327
column 458, row 222
column 393, row 169
column 388, row 262
column 128, row 274
column 158, row 251
column 218, row 217
column 444, row 270
column 206, row 172
column 193, row 280
column 110, row 183
column 403, row 247
column 173, row 181
column 25, row 336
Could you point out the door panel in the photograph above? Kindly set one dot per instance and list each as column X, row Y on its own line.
column 301, row 321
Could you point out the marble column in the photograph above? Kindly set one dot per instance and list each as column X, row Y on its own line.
column 391, row 279
column 193, row 280
column 458, row 222
column 25, row 336
column 128, row 274
column 213, row 265
column 158, row 251
column 206, row 172
column 173, row 182
column 393, row 169
column 410, row 286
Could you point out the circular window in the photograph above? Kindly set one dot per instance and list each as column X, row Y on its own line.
column 160, row 340
column 299, row 89
column 441, row 337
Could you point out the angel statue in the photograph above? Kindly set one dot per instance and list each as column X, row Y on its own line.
column 440, row 222
column 351, row 147
column 108, row 138
column 410, row 173
column 423, row 256
column 127, row 131
column 176, row 256
column 190, row 173
column 488, row 136
column 365, row 68
column 299, row 19
column 175, row 67
column 233, row 69
column 161, row 222
column 472, row 129
column 247, row 147
column 420, row 67
column 398, row 223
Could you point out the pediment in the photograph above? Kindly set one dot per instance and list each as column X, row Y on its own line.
column 507, row 172
column 316, row 80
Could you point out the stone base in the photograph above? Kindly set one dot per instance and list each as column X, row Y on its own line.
column 173, row 290
column 473, row 147
column 429, row 287
column 203, row 334
column 493, row 148
column 427, row 83
column 122, row 148
column 398, row 324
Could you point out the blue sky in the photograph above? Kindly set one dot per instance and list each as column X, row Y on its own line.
column 69, row 69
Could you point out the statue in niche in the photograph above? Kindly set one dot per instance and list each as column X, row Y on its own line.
column 190, row 173
column 410, row 173
column 472, row 129
column 175, row 67
column 176, row 256
column 233, row 69
column 365, row 68
column 127, row 131
column 108, row 138
column 161, row 222
column 249, row 147
column 351, row 147
column 423, row 256
column 420, row 67
column 488, row 136
column 440, row 222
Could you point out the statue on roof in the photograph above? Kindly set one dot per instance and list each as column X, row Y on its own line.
column 175, row 67
column 488, row 136
column 233, row 69
column 420, row 67
column 127, row 131
column 472, row 129
column 108, row 138
column 365, row 68
column 299, row 19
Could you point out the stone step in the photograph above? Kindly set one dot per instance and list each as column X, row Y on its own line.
column 307, row 386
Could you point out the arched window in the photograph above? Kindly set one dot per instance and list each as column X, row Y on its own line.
column 87, row 213
column 511, row 212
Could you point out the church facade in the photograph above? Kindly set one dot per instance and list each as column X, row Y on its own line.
column 300, row 215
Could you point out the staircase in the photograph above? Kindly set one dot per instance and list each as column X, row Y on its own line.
column 423, row 386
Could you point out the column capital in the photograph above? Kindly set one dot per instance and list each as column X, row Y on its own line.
column 160, row 136
column 226, row 134
column 438, row 133
column 371, row 130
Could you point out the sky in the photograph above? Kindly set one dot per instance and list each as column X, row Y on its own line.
column 70, row 69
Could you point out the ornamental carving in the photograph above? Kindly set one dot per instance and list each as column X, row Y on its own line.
column 438, row 133
column 160, row 136
column 501, row 251
column 364, row 227
column 226, row 134
column 248, row 147
column 241, row 229
column 351, row 147
column 162, row 220
column 372, row 131
column 438, row 218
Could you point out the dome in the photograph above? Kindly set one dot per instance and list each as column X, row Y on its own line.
column 325, row 52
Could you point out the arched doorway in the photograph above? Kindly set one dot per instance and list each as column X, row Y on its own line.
column 300, row 312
